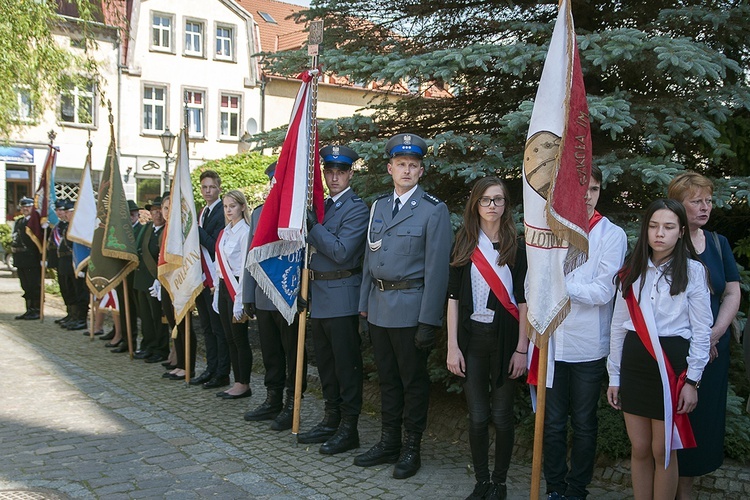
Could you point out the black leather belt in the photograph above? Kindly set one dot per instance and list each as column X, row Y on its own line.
column 384, row 285
column 334, row 275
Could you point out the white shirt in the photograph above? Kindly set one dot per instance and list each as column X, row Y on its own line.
column 687, row 315
column 404, row 197
column 336, row 198
column 234, row 246
column 584, row 334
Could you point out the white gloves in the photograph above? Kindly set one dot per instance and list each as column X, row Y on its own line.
column 155, row 290
column 238, row 311
column 215, row 303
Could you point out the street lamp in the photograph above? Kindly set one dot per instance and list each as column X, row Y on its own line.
column 167, row 141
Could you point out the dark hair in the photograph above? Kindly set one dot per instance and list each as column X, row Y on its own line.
column 636, row 264
column 467, row 237
column 596, row 173
column 211, row 174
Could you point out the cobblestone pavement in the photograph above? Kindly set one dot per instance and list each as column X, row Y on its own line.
column 77, row 421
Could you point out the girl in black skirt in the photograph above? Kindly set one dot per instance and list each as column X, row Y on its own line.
column 663, row 311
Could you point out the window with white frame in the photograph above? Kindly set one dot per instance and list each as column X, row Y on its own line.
column 161, row 31
column 225, row 42
column 196, row 106
column 193, row 38
column 77, row 103
column 229, row 116
column 24, row 106
column 154, row 108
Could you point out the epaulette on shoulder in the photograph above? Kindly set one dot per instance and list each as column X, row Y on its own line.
column 384, row 195
column 431, row 198
column 357, row 199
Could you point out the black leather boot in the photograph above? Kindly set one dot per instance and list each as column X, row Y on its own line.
column 345, row 439
column 283, row 420
column 268, row 409
column 385, row 451
column 32, row 314
column 324, row 430
column 409, row 461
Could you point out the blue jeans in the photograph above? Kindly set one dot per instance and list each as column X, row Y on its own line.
column 575, row 391
column 488, row 401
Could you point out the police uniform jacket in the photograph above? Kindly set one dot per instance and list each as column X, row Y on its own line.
column 52, row 249
column 339, row 243
column 415, row 244
column 25, row 252
column 148, row 258
column 65, row 251
column 251, row 291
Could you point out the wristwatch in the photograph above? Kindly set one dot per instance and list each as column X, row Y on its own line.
column 694, row 383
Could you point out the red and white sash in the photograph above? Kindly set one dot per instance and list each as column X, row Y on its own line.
column 109, row 301
column 208, row 266
column 484, row 258
column 229, row 279
column 57, row 237
column 678, row 433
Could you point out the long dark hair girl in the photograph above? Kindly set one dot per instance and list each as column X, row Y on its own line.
column 676, row 272
column 467, row 237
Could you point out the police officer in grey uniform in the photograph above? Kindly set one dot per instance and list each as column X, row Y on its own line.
column 335, row 280
column 403, row 296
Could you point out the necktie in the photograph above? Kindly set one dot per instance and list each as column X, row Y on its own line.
column 329, row 204
column 396, row 206
column 205, row 216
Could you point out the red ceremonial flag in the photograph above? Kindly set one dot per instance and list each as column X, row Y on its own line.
column 275, row 255
column 45, row 197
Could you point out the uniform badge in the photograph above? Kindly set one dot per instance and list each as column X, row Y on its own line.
column 335, row 151
column 407, row 139
column 338, row 204
column 413, row 203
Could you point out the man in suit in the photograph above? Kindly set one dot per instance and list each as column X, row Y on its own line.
column 278, row 346
column 27, row 257
column 335, row 280
column 155, row 344
column 403, row 296
column 210, row 224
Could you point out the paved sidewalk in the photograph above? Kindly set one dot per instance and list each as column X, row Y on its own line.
column 80, row 422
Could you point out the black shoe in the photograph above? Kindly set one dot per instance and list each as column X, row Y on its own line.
column 202, row 378
column 32, row 314
column 78, row 324
column 155, row 358
column 115, row 344
column 142, row 354
column 481, row 490
column 409, row 461
column 385, row 451
column 22, row 316
column 283, row 421
column 499, row 492
column 268, row 409
column 60, row 320
column 216, row 382
column 324, row 430
column 108, row 336
column 123, row 348
column 346, row 437
column 245, row 394
column 172, row 376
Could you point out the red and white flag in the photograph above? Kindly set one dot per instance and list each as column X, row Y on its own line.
column 275, row 255
column 180, row 269
column 556, row 170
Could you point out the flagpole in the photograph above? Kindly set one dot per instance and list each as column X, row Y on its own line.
column 44, row 273
column 127, row 316
column 187, row 345
column 541, row 396
column 314, row 40
column 93, row 316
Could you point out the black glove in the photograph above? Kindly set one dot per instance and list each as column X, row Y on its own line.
column 312, row 219
column 425, row 337
column 301, row 304
column 249, row 309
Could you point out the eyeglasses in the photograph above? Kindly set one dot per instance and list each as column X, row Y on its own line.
column 499, row 201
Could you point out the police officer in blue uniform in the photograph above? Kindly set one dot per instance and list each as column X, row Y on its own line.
column 403, row 296
column 27, row 260
column 335, row 280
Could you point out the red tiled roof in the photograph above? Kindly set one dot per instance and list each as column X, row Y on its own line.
column 285, row 34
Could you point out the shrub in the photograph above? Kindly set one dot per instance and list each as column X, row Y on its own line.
column 244, row 171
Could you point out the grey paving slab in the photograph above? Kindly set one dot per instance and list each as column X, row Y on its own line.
column 85, row 423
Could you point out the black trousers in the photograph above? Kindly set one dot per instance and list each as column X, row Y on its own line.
column 217, row 351
column 404, row 381
column 31, row 282
column 66, row 279
column 339, row 358
column 155, row 335
column 179, row 341
column 278, row 346
column 240, row 353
